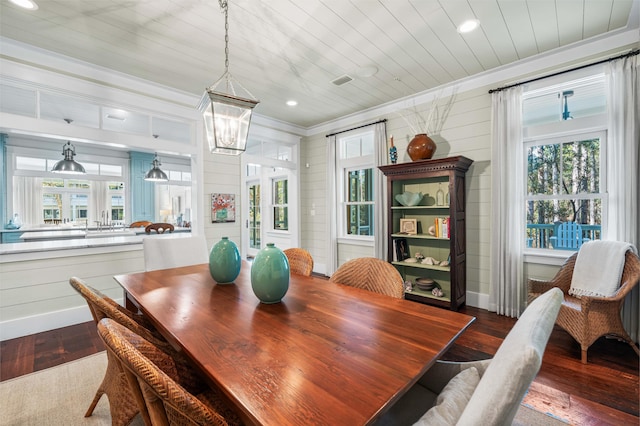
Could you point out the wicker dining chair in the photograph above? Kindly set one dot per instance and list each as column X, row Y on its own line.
column 173, row 393
column 300, row 261
column 122, row 404
column 587, row 318
column 370, row 274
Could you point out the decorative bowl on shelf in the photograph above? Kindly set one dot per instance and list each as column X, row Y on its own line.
column 426, row 284
column 409, row 199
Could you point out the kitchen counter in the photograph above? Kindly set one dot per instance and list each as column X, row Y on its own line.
column 51, row 235
column 74, row 246
column 68, row 232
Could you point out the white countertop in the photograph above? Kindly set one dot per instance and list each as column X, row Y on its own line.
column 57, row 248
column 50, row 235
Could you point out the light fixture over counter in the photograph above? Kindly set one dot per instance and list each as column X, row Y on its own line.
column 68, row 165
column 155, row 174
column 227, row 110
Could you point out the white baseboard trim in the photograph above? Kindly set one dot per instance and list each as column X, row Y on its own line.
column 21, row 327
column 478, row 300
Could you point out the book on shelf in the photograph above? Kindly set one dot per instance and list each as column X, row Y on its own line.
column 441, row 225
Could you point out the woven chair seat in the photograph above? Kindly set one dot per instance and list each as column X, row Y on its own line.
column 371, row 274
column 300, row 261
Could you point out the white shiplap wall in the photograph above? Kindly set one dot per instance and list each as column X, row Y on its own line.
column 221, row 175
column 466, row 132
column 35, row 295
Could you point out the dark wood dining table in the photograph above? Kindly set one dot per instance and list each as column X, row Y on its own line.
column 328, row 354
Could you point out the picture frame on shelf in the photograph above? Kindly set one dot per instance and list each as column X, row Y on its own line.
column 402, row 249
column 409, row 226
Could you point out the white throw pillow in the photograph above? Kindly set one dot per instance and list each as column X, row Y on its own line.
column 453, row 399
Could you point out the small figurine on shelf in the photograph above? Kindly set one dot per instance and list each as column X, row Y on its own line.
column 393, row 152
column 408, row 286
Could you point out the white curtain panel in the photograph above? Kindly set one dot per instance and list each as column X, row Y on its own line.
column 381, row 157
column 507, row 293
column 623, row 168
column 27, row 200
column 332, row 218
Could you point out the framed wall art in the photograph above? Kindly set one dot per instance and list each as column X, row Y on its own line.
column 223, row 208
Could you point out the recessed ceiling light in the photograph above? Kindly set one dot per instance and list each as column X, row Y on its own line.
column 292, row 103
column 468, row 26
column 26, row 4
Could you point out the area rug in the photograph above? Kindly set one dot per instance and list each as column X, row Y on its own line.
column 57, row 396
column 61, row 395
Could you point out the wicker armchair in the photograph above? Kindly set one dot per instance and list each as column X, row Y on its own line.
column 371, row 274
column 300, row 261
column 122, row 403
column 587, row 319
column 173, row 393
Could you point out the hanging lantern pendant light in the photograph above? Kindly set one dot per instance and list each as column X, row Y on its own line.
column 227, row 114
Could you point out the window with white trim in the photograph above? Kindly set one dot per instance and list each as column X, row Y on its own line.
column 280, row 204
column 565, row 147
column 356, row 180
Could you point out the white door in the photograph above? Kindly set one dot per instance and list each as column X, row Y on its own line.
column 270, row 194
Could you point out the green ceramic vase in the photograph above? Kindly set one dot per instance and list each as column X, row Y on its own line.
column 270, row 274
column 224, row 261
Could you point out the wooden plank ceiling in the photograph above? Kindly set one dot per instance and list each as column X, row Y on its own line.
column 293, row 49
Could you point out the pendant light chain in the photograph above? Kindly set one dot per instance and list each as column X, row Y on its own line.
column 225, row 8
column 224, row 5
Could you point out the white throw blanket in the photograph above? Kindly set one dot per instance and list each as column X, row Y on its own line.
column 599, row 268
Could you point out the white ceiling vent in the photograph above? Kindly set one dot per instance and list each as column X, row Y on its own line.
column 342, row 80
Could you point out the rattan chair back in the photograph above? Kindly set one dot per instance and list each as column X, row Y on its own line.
column 122, row 402
column 172, row 392
column 102, row 306
column 371, row 274
column 586, row 318
column 300, row 261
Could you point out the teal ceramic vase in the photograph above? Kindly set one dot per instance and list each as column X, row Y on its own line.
column 270, row 274
column 224, row 261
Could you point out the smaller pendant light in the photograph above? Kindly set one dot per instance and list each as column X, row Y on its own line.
column 68, row 165
column 155, row 174
column 566, row 115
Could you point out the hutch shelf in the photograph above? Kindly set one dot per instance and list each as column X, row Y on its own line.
column 434, row 228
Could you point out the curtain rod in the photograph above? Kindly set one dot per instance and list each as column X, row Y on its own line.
column 632, row 53
column 359, row 127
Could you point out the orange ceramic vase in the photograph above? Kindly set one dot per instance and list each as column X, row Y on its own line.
column 421, row 147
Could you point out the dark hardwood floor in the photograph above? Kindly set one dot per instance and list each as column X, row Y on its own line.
column 603, row 392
